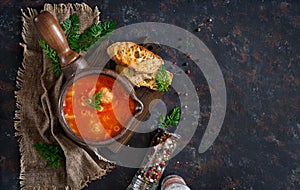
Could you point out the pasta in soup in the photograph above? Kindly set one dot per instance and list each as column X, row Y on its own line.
column 97, row 107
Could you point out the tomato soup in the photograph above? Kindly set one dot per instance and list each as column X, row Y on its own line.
column 97, row 107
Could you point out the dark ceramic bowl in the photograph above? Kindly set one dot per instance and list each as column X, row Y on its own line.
column 138, row 105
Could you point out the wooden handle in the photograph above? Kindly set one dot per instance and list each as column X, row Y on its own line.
column 51, row 32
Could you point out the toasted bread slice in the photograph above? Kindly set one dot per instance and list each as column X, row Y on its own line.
column 134, row 56
column 132, row 75
column 140, row 79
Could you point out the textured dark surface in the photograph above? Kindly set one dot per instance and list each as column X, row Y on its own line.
column 257, row 47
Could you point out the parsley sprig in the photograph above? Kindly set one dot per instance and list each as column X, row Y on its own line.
column 162, row 79
column 94, row 101
column 71, row 28
column 77, row 42
column 91, row 35
column 51, row 153
column 171, row 119
column 55, row 68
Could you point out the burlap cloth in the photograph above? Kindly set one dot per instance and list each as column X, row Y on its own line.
column 37, row 97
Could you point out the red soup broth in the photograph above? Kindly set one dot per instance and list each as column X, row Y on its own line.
column 102, row 124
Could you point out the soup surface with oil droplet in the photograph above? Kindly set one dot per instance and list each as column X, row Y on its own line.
column 96, row 107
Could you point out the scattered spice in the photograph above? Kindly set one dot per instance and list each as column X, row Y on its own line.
column 189, row 56
column 185, row 64
column 209, row 20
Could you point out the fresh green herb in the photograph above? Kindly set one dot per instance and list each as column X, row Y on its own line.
column 94, row 101
column 71, row 28
column 162, row 79
column 170, row 120
column 51, row 153
column 77, row 42
column 91, row 35
column 53, row 57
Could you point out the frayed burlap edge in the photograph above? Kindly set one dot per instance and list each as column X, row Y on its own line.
column 19, row 84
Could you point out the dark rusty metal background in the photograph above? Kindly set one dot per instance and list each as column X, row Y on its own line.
column 257, row 45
